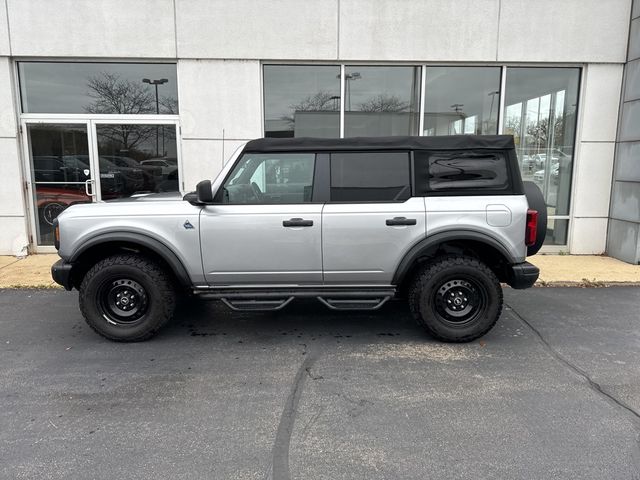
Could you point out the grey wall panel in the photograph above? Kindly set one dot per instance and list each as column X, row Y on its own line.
column 632, row 81
column 634, row 40
column 623, row 241
column 629, row 128
column 625, row 201
column 628, row 161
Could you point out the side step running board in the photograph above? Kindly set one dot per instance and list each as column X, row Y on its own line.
column 255, row 304
column 354, row 303
column 274, row 298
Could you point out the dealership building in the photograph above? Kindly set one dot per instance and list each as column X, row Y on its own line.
column 106, row 99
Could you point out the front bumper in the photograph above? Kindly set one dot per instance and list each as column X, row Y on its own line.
column 61, row 273
column 523, row 275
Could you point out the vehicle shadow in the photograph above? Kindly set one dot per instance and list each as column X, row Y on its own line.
column 303, row 318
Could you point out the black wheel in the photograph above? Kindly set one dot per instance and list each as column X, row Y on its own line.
column 127, row 298
column 536, row 202
column 457, row 299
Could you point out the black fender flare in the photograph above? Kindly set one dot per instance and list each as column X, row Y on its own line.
column 156, row 246
column 425, row 244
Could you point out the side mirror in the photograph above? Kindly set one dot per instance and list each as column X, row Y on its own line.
column 204, row 192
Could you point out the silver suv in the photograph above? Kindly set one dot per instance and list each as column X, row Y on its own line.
column 439, row 221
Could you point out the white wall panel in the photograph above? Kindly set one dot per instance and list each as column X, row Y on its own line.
column 564, row 30
column 593, row 180
column 104, row 28
column 13, row 234
column 4, row 30
column 11, row 201
column 220, row 94
column 601, row 101
column 203, row 159
column 277, row 29
column 418, row 30
column 589, row 236
column 8, row 119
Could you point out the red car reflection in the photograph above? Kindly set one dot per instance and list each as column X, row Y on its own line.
column 51, row 201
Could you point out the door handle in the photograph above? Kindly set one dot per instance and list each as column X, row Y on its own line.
column 297, row 222
column 86, row 188
column 395, row 221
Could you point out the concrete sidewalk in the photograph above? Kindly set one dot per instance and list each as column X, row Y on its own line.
column 555, row 270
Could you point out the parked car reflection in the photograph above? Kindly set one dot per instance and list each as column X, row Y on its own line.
column 51, row 200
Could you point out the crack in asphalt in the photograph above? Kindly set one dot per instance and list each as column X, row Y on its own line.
column 280, row 464
column 595, row 386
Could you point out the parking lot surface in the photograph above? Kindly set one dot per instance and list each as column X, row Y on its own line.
column 306, row 393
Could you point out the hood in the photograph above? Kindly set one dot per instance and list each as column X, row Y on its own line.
column 150, row 197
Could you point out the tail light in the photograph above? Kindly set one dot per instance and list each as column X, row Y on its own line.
column 532, row 227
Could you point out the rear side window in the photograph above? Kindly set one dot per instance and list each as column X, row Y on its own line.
column 467, row 171
column 370, row 177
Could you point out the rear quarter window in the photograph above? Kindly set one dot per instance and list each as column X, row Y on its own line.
column 463, row 172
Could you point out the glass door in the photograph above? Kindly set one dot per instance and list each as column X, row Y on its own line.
column 72, row 162
column 136, row 158
column 60, row 172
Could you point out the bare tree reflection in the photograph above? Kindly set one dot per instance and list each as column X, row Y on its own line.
column 318, row 102
column 384, row 103
column 115, row 95
column 112, row 94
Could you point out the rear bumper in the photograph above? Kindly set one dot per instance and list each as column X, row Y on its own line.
column 61, row 273
column 523, row 275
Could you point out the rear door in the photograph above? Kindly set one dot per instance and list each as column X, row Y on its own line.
column 371, row 220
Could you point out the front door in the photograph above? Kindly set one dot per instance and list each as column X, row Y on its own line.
column 265, row 228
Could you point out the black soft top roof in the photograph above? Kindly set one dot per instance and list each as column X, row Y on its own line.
column 451, row 142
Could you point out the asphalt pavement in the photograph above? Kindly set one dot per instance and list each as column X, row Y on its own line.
column 552, row 392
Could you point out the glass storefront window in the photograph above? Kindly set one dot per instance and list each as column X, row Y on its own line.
column 461, row 100
column 301, row 101
column 381, row 101
column 136, row 159
column 99, row 88
column 540, row 112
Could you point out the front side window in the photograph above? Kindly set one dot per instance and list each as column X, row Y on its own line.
column 100, row 88
column 271, row 178
column 370, row 177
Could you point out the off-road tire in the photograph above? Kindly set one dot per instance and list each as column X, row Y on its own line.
column 444, row 279
column 150, row 282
